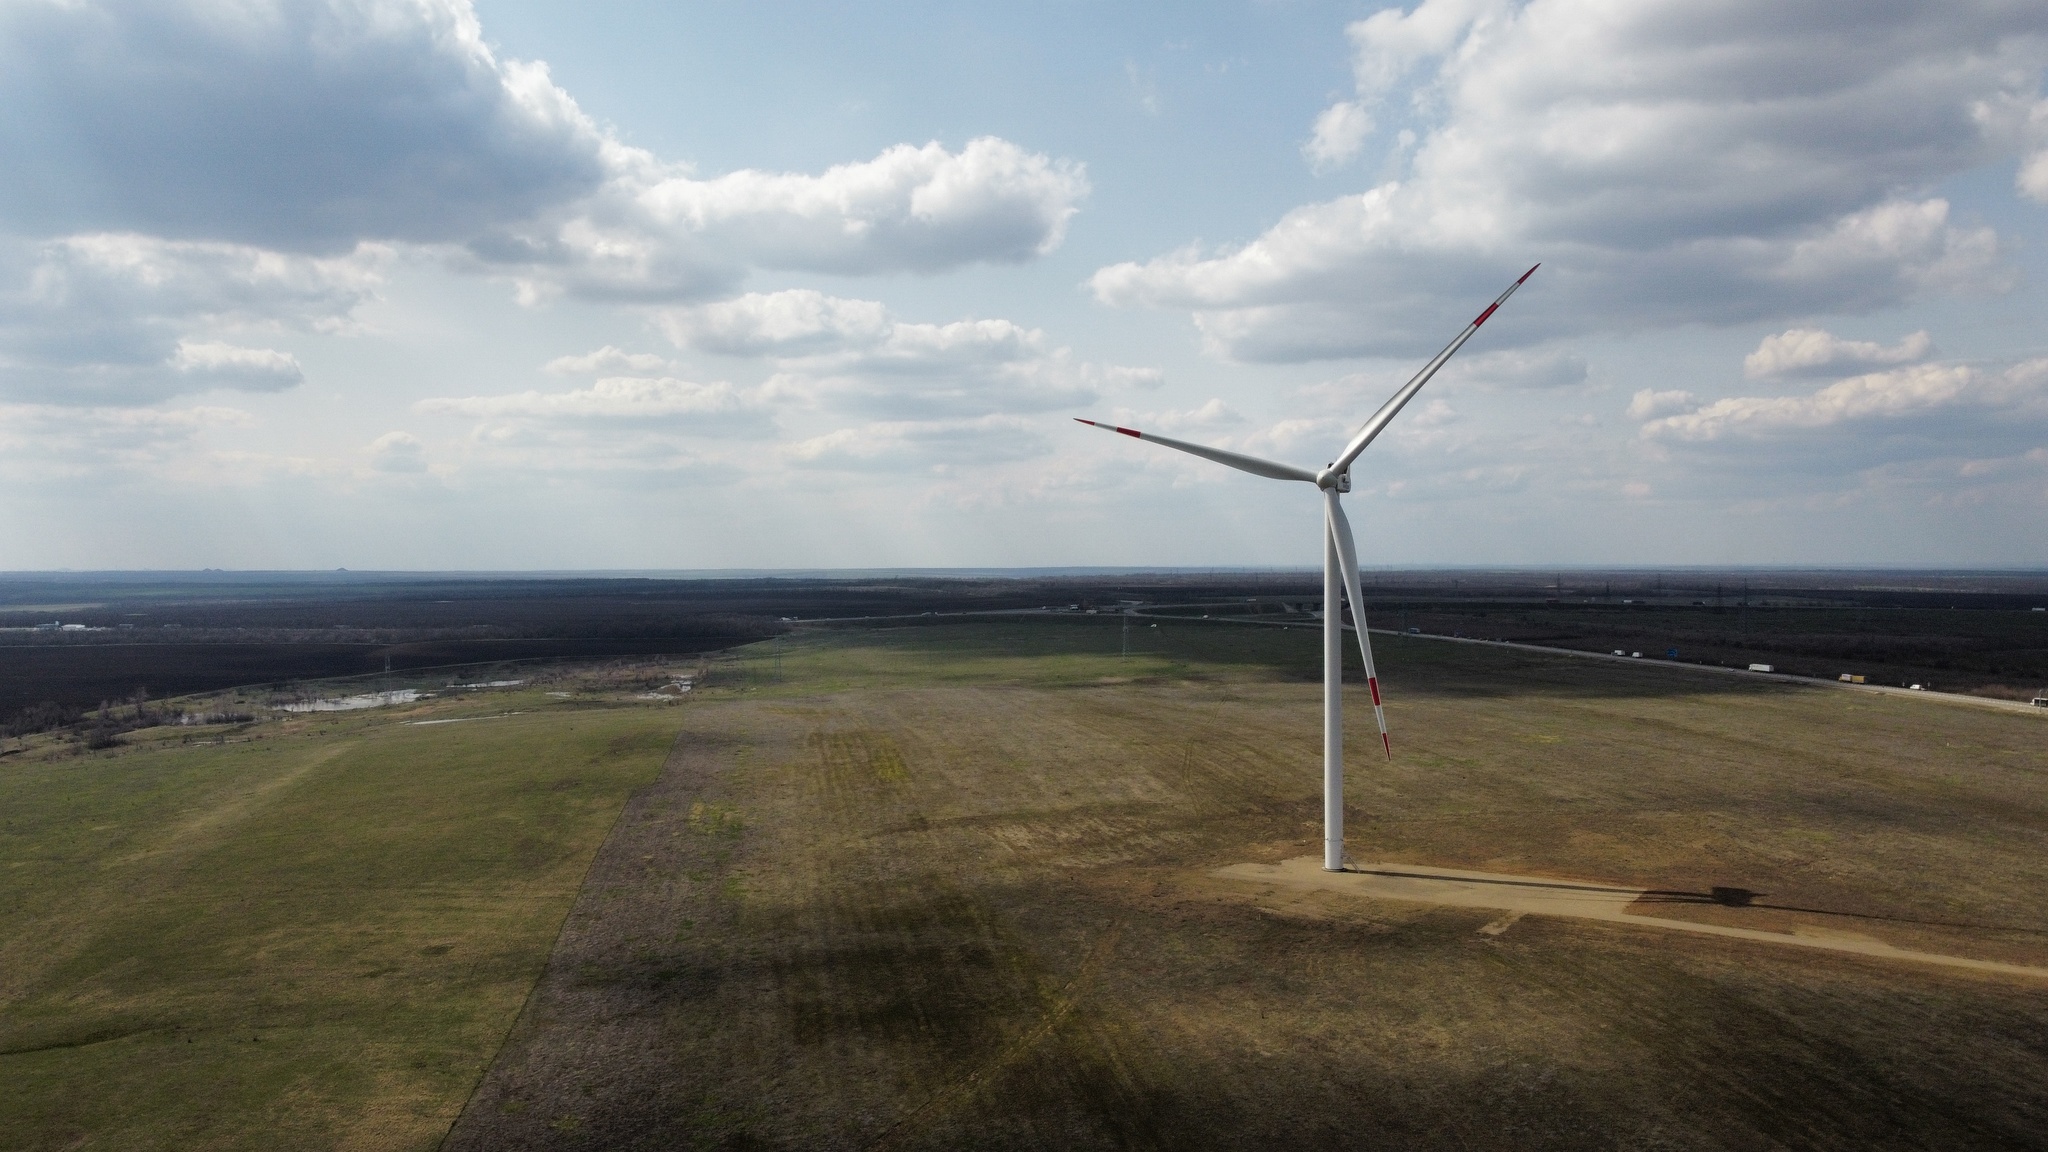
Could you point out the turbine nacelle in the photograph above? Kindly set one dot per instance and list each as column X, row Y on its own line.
column 1334, row 480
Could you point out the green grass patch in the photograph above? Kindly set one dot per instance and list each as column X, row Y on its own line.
column 312, row 939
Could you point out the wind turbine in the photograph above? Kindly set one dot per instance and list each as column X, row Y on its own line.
column 1340, row 563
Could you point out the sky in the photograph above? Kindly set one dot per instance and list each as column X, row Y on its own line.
column 519, row 284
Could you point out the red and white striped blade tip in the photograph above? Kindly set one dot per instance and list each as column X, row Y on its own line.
column 1389, row 744
column 1110, row 427
column 1530, row 272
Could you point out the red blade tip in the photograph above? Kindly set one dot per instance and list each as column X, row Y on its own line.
column 1530, row 272
column 1111, row 427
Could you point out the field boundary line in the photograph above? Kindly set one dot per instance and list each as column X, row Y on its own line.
column 568, row 914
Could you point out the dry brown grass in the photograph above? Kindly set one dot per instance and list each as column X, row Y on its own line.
column 948, row 888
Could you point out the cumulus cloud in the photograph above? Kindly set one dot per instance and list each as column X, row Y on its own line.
column 1210, row 414
column 1530, row 368
column 1814, row 351
column 1648, row 404
column 650, row 234
column 794, row 322
column 605, row 359
column 107, row 318
column 617, row 425
column 1671, row 163
column 2026, row 123
column 852, row 355
column 1339, row 133
column 827, row 332
column 174, row 163
column 290, row 124
column 253, row 369
column 1919, row 392
column 921, row 445
column 397, row 452
column 40, row 443
column 719, row 406
column 311, row 125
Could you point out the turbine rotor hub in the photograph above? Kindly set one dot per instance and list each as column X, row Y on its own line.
column 1341, row 481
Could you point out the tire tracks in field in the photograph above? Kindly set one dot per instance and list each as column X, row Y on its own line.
column 1060, row 1006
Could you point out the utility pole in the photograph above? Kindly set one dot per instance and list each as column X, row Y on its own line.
column 1127, row 632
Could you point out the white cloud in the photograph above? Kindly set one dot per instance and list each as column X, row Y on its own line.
column 1920, row 392
column 1388, row 45
column 853, row 356
column 617, row 426
column 1210, row 414
column 1434, row 414
column 1670, row 163
column 605, row 359
column 652, row 234
column 43, row 443
column 777, row 323
column 909, row 389
column 2028, row 122
column 2033, row 176
column 1814, row 351
column 1519, row 368
column 922, row 445
column 110, row 317
column 397, row 452
column 925, row 348
column 257, row 143
column 302, row 126
column 1299, row 441
column 716, row 407
column 1339, row 133
column 254, row 369
column 1648, row 404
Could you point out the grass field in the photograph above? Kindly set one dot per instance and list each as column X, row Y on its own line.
column 955, row 886
column 312, row 937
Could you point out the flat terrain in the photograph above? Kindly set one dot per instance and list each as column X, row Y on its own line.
column 956, row 886
column 309, row 933
column 80, row 675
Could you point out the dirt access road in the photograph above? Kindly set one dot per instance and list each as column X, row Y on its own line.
column 1573, row 899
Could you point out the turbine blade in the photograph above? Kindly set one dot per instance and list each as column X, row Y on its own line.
column 1347, row 562
column 1237, row 460
column 1394, row 404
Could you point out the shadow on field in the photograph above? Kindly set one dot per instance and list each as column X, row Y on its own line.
column 1744, row 898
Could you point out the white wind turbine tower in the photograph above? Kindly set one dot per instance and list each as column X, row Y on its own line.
column 1340, row 562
